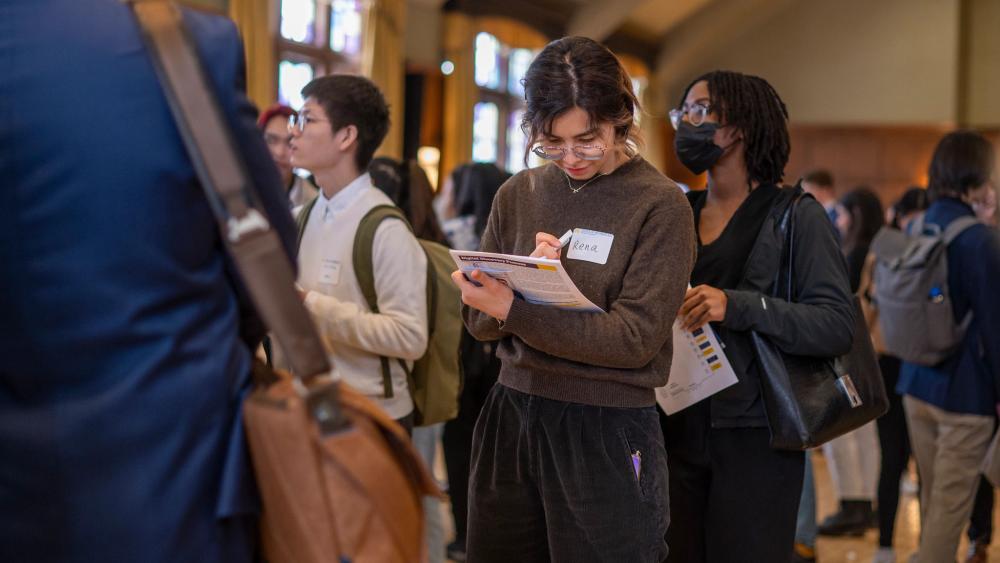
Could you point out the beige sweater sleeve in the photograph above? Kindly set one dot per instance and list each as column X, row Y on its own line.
column 399, row 329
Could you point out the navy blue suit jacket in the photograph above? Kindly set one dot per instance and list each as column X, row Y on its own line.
column 122, row 363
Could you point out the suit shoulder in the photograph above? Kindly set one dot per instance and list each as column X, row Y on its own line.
column 209, row 26
column 216, row 37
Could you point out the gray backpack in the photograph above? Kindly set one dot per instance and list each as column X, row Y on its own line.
column 911, row 291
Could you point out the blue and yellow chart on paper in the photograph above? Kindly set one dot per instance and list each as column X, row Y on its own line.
column 699, row 369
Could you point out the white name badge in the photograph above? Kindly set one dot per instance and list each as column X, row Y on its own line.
column 592, row 246
column 329, row 272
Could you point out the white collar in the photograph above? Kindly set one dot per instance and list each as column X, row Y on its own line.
column 345, row 197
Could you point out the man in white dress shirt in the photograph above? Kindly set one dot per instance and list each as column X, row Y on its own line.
column 344, row 119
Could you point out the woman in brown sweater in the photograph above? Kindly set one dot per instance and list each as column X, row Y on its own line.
column 568, row 458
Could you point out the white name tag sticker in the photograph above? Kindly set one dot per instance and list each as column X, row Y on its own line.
column 329, row 272
column 591, row 246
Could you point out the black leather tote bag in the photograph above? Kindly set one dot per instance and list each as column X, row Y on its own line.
column 809, row 401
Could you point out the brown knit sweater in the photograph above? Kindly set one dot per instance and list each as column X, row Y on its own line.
column 612, row 359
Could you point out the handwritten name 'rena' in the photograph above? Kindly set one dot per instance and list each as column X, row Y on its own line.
column 585, row 247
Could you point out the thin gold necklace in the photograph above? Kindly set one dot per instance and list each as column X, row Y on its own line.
column 599, row 174
column 575, row 190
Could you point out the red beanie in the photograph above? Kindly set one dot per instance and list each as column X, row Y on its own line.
column 273, row 111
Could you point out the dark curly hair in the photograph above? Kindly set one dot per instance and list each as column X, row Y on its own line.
column 753, row 107
column 579, row 72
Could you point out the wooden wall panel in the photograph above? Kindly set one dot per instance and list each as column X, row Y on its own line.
column 888, row 159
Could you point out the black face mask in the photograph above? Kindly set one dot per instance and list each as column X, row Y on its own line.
column 695, row 148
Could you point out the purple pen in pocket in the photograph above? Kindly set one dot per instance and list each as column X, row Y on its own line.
column 637, row 463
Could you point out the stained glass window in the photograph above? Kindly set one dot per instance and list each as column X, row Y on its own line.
column 520, row 60
column 292, row 77
column 485, row 132
column 316, row 38
column 298, row 20
column 345, row 26
column 487, row 61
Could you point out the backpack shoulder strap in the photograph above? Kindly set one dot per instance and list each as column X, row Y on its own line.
column 364, row 269
column 957, row 227
column 364, row 240
column 302, row 218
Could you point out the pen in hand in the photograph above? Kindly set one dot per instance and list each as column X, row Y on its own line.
column 564, row 240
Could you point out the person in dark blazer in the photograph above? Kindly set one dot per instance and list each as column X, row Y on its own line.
column 125, row 342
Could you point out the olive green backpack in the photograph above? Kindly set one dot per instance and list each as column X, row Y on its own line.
column 436, row 380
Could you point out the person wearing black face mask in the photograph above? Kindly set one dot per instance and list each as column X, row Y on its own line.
column 695, row 145
column 733, row 498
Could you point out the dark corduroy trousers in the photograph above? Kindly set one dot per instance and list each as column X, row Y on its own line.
column 566, row 482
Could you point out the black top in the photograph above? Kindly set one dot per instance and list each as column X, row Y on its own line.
column 721, row 265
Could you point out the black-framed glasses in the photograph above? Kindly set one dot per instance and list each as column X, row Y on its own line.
column 299, row 122
column 696, row 114
column 583, row 152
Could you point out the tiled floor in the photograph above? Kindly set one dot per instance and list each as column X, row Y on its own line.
column 848, row 550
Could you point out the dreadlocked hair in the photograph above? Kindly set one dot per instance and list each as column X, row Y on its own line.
column 753, row 107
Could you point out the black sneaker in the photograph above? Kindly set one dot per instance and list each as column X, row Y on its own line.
column 853, row 519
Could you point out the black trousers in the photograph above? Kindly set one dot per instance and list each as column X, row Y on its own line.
column 481, row 370
column 894, row 440
column 567, row 483
column 733, row 499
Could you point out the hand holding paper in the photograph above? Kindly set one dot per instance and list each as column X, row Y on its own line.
column 484, row 293
column 702, row 304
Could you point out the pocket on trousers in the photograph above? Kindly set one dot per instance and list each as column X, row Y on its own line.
column 634, row 456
